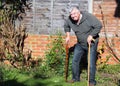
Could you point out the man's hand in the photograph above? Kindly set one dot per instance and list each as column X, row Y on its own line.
column 67, row 40
column 89, row 39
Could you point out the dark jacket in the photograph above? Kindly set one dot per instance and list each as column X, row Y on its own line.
column 89, row 25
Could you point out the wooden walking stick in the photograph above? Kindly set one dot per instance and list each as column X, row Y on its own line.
column 66, row 62
column 88, row 64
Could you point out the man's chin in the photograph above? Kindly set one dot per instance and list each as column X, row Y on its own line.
column 75, row 20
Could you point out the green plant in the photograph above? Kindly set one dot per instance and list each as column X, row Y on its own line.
column 55, row 54
column 8, row 72
column 1, row 74
column 101, row 64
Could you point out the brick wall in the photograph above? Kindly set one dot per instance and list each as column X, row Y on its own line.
column 111, row 26
column 38, row 44
column 112, row 23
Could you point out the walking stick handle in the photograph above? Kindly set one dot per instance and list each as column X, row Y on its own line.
column 93, row 40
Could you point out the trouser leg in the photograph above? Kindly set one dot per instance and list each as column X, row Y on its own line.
column 93, row 56
column 78, row 52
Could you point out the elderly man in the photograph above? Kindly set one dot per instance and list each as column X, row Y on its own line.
column 86, row 28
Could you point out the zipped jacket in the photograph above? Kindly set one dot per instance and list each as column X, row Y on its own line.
column 89, row 25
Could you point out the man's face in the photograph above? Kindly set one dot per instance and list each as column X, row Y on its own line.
column 75, row 14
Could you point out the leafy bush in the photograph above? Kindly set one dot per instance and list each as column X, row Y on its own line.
column 7, row 72
column 111, row 69
column 1, row 74
column 55, row 55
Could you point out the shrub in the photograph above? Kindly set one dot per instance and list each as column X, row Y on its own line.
column 55, row 54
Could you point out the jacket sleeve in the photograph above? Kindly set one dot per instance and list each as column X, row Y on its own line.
column 66, row 26
column 96, row 25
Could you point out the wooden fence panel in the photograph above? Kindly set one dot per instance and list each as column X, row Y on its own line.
column 47, row 16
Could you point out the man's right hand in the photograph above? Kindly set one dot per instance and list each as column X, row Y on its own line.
column 67, row 40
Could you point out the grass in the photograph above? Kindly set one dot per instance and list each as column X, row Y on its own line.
column 23, row 80
column 108, row 76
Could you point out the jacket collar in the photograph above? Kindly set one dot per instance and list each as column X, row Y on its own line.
column 84, row 17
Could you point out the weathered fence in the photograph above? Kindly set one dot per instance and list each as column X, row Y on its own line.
column 47, row 16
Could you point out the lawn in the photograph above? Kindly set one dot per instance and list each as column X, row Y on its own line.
column 23, row 80
column 107, row 76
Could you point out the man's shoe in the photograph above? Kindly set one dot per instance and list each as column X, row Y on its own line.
column 70, row 81
column 91, row 84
